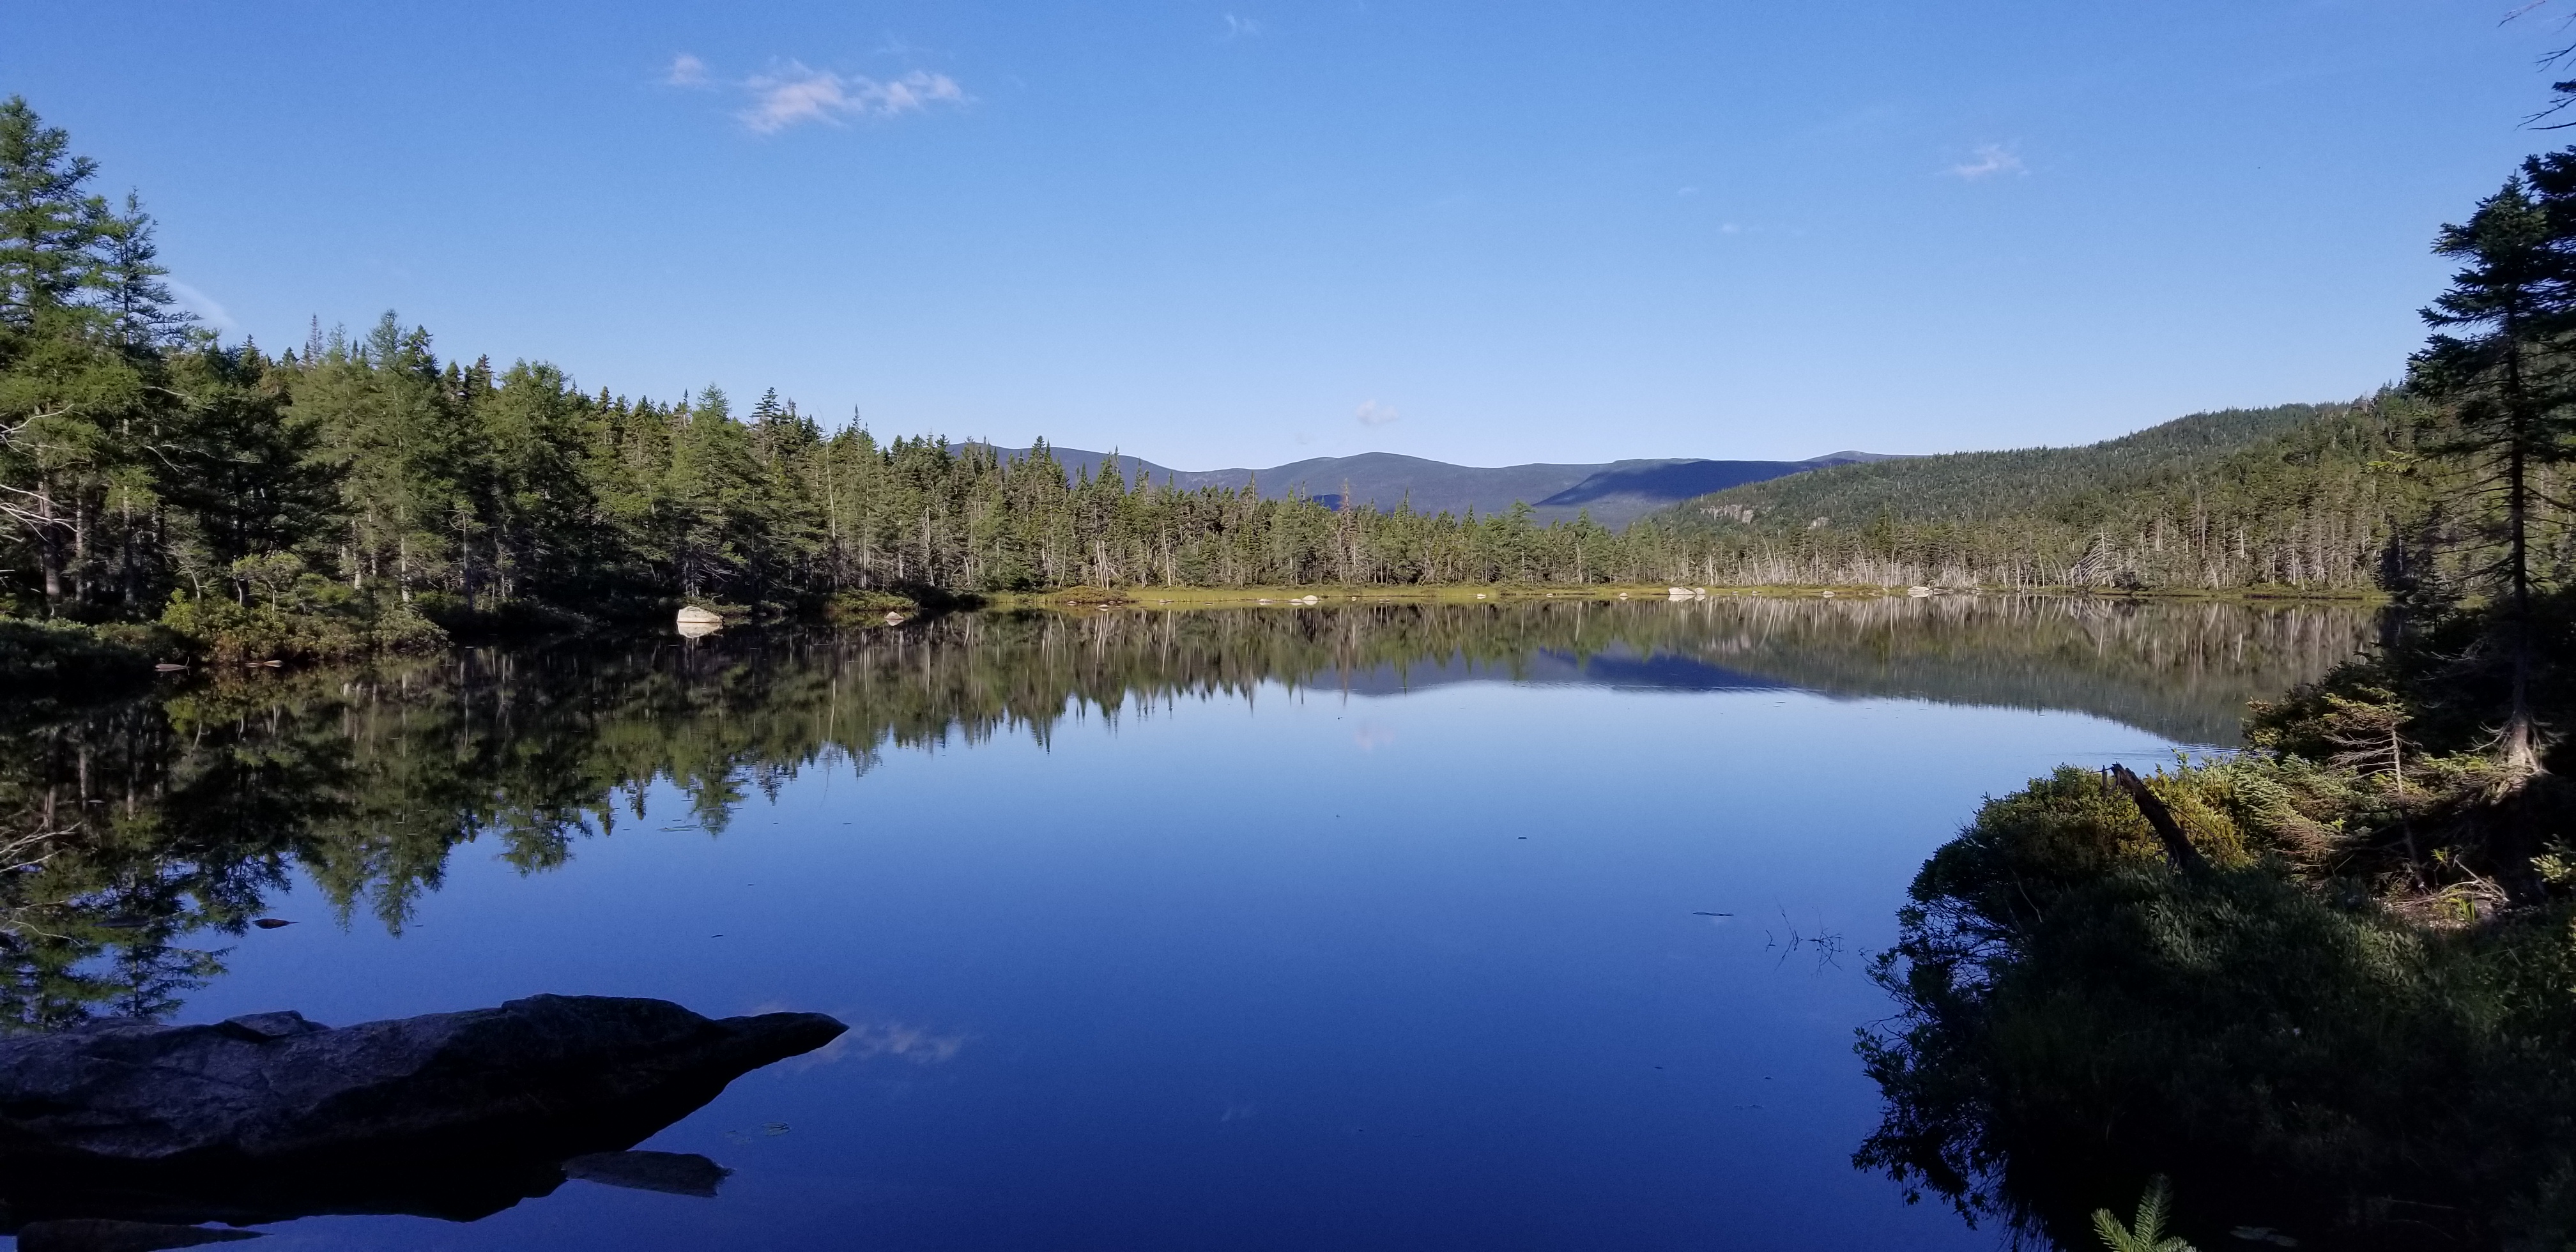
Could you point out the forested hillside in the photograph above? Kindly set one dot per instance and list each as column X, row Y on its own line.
column 350, row 492
column 353, row 493
column 1613, row 493
column 2299, row 496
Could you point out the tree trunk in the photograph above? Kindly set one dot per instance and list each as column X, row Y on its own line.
column 2178, row 849
column 80, row 547
column 465, row 557
column 2515, row 746
column 49, row 546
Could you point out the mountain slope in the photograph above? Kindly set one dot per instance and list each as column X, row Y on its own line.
column 1386, row 479
column 2298, row 493
column 1620, row 493
column 1970, row 486
column 1613, row 493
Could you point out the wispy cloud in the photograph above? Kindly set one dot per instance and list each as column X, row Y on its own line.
column 796, row 94
column 1237, row 27
column 1372, row 413
column 686, row 71
column 873, row 1039
column 1988, row 160
column 203, row 305
column 912, row 1043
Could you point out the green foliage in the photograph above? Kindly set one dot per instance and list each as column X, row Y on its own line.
column 2311, row 497
column 860, row 606
column 2359, row 1029
column 298, row 617
column 2406, row 739
column 138, row 459
column 2498, row 357
column 2504, row 359
column 84, row 319
column 2146, row 1233
column 62, row 654
column 2076, row 1017
column 2361, row 1026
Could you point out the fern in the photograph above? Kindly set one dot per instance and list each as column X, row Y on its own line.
column 2147, row 1233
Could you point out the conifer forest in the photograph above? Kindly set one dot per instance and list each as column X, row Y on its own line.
column 2306, row 968
column 355, row 489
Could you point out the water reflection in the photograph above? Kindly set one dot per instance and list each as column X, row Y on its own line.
column 2308, row 1068
column 2183, row 670
column 141, row 833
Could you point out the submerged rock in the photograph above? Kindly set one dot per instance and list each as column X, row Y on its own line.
column 449, row 1115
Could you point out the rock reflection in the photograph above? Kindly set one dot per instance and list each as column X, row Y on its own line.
column 672, row 1173
column 270, row 1117
column 90, row 1234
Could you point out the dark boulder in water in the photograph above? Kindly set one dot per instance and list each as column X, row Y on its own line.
column 271, row 1116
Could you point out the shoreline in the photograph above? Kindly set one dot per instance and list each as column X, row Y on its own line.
column 1471, row 593
column 39, row 654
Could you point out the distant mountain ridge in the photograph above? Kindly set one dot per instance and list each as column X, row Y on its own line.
column 1614, row 493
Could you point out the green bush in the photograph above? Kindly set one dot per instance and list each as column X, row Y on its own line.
column 311, row 619
column 2298, row 1056
column 39, row 653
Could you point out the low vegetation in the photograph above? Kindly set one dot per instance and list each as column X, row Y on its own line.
column 2335, row 1000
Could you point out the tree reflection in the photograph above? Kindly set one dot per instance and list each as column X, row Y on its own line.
column 2075, row 1019
column 140, row 833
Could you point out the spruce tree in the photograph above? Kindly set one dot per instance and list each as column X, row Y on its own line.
column 81, row 313
column 240, row 473
column 2499, row 358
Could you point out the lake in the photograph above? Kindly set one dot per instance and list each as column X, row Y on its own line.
column 1529, row 925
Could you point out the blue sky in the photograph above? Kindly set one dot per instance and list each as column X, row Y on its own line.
column 1248, row 231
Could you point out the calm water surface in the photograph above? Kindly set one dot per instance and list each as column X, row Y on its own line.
column 1495, row 928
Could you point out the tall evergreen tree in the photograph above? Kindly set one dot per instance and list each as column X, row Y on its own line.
column 2499, row 357
column 81, row 312
column 242, row 476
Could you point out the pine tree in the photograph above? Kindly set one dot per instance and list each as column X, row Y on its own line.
column 131, row 286
column 50, row 224
column 545, row 508
column 240, row 470
column 2499, row 358
column 81, row 310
